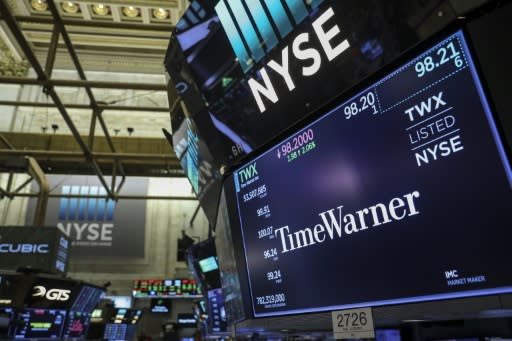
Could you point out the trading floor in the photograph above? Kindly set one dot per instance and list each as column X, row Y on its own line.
column 268, row 170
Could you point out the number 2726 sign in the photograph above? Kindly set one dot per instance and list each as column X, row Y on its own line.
column 353, row 323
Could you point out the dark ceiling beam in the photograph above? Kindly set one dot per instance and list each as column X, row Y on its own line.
column 84, row 106
column 60, row 27
column 43, row 77
column 81, row 83
column 97, row 112
column 171, row 159
column 120, row 197
column 95, row 23
column 52, row 51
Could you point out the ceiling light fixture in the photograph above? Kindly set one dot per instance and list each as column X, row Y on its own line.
column 39, row 5
column 101, row 9
column 160, row 13
column 131, row 11
column 70, row 7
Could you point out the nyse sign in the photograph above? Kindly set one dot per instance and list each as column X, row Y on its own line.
column 98, row 213
column 96, row 225
column 326, row 31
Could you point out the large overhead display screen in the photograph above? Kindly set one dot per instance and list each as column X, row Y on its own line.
column 400, row 194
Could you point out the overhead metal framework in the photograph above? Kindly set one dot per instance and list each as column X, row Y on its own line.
column 86, row 146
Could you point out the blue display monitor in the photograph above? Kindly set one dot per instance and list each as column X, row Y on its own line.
column 208, row 264
column 161, row 305
column 121, row 301
column 387, row 335
column 216, row 312
column 115, row 332
column 398, row 194
column 41, row 324
column 77, row 325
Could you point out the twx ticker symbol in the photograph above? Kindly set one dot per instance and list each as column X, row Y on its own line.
column 242, row 24
column 89, row 209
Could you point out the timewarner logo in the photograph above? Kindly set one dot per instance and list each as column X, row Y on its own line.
column 249, row 48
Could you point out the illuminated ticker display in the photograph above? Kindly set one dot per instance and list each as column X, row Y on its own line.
column 166, row 288
column 351, row 205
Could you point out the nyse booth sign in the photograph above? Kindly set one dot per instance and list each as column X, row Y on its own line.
column 97, row 226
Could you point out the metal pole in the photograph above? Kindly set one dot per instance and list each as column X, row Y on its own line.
column 119, row 197
column 20, row 187
column 194, row 215
column 103, row 107
column 97, row 155
column 92, row 128
column 82, row 83
column 96, row 23
column 52, row 51
column 6, row 142
column 71, row 50
column 113, row 150
column 44, row 189
column 9, row 181
column 20, row 38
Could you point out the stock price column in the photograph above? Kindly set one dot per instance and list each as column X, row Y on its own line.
column 262, row 212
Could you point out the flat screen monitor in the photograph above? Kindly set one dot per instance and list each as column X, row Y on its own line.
column 187, row 321
column 121, row 301
column 161, row 305
column 217, row 312
column 115, row 332
column 361, row 196
column 97, row 315
column 127, row 316
column 77, row 325
column 41, row 324
column 87, row 299
column 6, row 315
column 51, row 293
column 208, row 264
column 167, row 288
column 387, row 335
column 228, row 243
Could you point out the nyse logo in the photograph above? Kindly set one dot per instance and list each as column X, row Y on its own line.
column 244, row 35
column 88, row 219
column 52, row 294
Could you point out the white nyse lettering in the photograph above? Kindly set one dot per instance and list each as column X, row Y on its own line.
column 326, row 37
column 283, row 69
column 306, row 54
column 79, row 230
column 266, row 90
column 106, row 232
column 93, row 232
